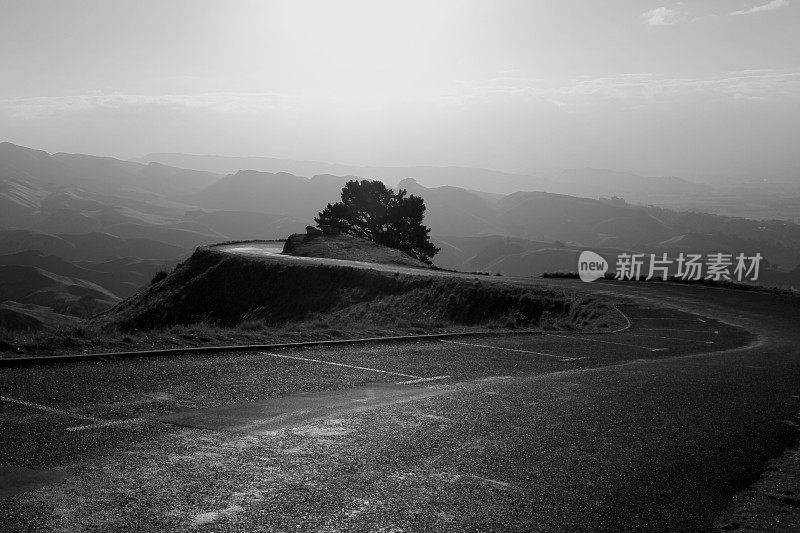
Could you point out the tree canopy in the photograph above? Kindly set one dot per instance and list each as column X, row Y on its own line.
column 372, row 211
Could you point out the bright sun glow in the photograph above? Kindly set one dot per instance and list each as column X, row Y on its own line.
column 357, row 47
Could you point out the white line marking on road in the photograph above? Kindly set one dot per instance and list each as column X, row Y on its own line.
column 96, row 422
column 342, row 364
column 107, row 424
column 421, row 380
column 49, row 409
column 499, row 484
column 608, row 342
column 715, row 332
column 666, row 318
column 561, row 357
column 670, row 338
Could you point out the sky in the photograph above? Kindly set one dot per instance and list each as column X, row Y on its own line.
column 703, row 87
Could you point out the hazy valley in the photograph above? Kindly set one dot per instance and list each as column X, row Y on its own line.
column 81, row 233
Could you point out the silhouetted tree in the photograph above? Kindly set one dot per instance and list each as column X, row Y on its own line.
column 161, row 274
column 372, row 211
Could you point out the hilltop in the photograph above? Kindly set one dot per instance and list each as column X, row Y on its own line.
column 341, row 246
column 228, row 289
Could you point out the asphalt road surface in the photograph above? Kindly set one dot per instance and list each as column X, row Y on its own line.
column 662, row 427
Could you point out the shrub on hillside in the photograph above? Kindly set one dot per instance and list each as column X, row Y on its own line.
column 161, row 274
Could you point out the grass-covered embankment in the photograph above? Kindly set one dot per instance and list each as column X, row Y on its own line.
column 217, row 298
column 229, row 290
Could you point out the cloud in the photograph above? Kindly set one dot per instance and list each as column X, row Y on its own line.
column 663, row 16
column 770, row 6
column 98, row 101
column 507, row 91
column 749, row 84
column 633, row 90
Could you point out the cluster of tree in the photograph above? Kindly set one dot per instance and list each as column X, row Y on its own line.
column 372, row 211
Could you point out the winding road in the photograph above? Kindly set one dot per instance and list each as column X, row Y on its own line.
column 687, row 421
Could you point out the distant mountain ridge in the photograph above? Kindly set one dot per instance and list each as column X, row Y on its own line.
column 265, row 192
column 104, row 173
column 536, row 216
column 583, row 181
column 470, row 178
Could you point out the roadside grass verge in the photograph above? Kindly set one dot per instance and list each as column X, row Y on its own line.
column 214, row 298
column 93, row 338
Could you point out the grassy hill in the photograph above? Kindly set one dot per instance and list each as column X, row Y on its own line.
column 227, row 289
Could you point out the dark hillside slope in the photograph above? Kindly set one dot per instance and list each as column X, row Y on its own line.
column 121, row 281
column 227, row 289
column 62, row 294
column 16, row 317
column 86, row 247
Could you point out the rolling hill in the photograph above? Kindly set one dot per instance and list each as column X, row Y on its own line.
column 98, row 224
column 17, row 317
column 62, row 294
column 86, row 247
column 129, row 276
